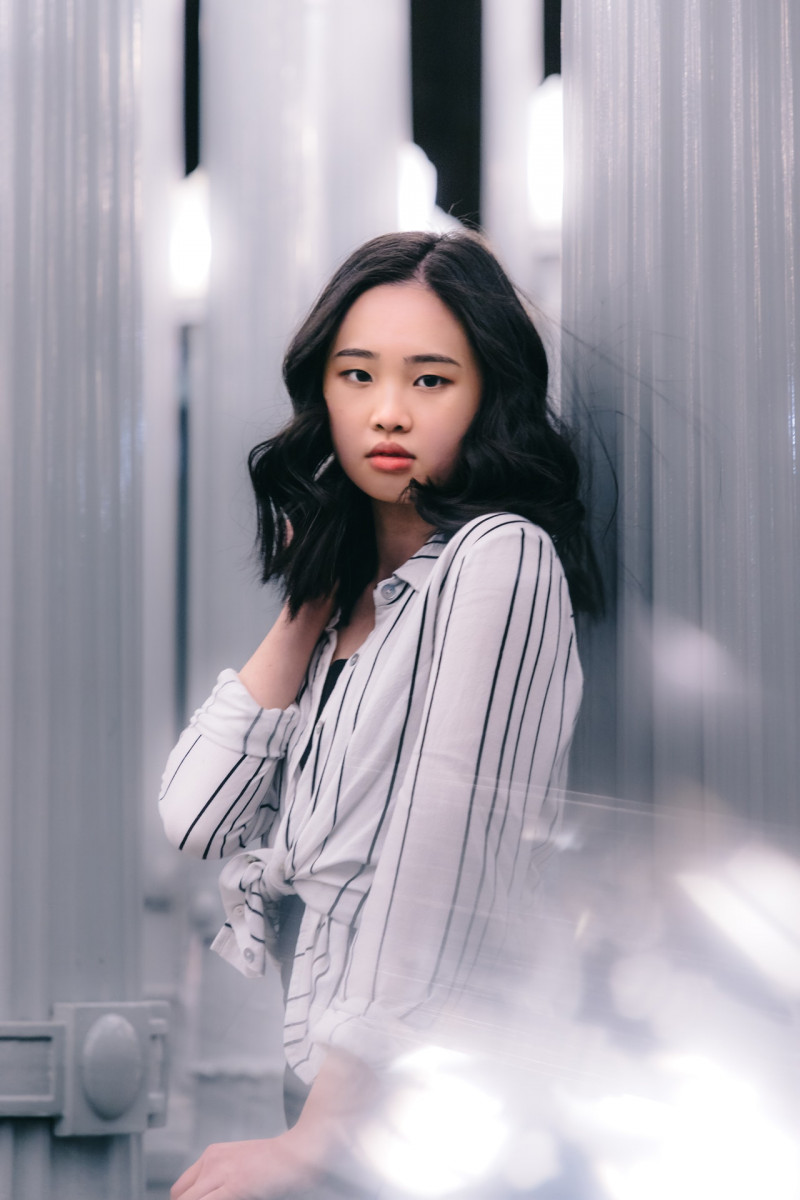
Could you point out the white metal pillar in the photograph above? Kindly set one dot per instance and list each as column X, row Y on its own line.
column 512, row 67
column 682, row 261
column 70, row 445
column 305, row 106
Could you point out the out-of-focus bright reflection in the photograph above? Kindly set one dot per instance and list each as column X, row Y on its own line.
column 546, row 154
column 190, row 243
column 416, row 193
column 688, row 661
column 439, row 1131
column 531, row 1159
column 711, row 1136
column 755, row 902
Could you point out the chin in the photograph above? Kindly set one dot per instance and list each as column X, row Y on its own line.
column 386, row 496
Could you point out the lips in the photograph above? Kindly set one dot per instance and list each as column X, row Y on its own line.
column 388, row 456
column 389, row 450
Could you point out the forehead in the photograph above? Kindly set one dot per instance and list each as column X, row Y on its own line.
column 403, row 315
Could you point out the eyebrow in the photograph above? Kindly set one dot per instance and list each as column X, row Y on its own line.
column 352, row 352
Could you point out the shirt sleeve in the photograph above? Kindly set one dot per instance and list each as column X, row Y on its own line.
column 480, row 800
column 216, row 791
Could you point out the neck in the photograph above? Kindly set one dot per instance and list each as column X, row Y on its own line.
column 399, row 532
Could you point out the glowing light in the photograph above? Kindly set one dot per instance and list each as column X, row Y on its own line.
column 638, row 983
column 416, row 193
column 711, row 1137
column 546, row 154
column 531, row 1159
column 439, row 1132
column 190, row 243
column 747, row 914
column 689, row 662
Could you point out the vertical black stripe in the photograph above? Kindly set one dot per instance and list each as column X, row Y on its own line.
column 416, row 775
column 211, row 800
column 372, row 673
column 250, row 729
column 395, row 767
column 178, row 767
column 510, row 787
column 542, row 710
column 238, row 823
column 493, row 804
column 233, row 804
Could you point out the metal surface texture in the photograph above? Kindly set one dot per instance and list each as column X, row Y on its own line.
column 302, row 154
column 681, row 280
column 305, row 105
column 513, row 66
column 100, row 1068
column 69, row 633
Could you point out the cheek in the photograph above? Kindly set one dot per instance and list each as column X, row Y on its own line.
column 444, row 452
column 341, row 438
column 448, row 440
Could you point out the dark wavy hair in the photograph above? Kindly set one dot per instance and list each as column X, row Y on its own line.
column 517, row 456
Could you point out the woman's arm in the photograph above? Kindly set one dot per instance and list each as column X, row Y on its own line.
column 481, row 795
column 274, row 673
column 291, row 1164
column 216, row 789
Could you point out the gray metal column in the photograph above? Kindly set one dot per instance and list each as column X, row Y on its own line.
column 682, row 262
column 513, row 66
column 70, row 446
column 306, row 104
column 301, row 151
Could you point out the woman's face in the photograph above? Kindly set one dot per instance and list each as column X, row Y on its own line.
column 402, row 385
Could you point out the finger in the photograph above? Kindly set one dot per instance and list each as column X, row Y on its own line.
column 181, row 1186
column 203, row 1190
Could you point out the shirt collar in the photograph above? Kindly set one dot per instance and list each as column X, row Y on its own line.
column 417, row 569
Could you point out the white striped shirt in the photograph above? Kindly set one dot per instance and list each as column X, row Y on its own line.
column 434, row 781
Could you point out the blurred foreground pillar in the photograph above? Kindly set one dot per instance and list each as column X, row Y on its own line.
column 513, row 67
column 305, row 108
column 681, row 277
column 69, row 602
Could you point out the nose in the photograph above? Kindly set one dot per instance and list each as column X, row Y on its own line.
column 390, row 413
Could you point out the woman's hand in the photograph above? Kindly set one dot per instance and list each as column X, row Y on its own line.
column 264, row 1169
column 290, row 1165
column 274, row 673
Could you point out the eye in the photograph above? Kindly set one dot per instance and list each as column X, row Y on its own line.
column 357, row 375
column 429, row 382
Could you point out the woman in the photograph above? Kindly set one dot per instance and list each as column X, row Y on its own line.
column 387, row 767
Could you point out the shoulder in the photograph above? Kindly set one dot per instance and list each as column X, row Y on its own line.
column 497, row 560
column 500, row 539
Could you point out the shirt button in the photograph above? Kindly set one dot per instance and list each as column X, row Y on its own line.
column 353, row 659
column 249, row 956
column 239, row 910
column 389, row 590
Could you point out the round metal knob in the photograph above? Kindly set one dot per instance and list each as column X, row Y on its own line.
column 112, row 1066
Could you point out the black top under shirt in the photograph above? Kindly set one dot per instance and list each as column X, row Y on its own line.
column 334, row 671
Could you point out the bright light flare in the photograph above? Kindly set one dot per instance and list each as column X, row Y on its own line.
column 546, row 154
column 190, row 243
column 708, row 1135
column 754, row 901
column 689, row 663
column 416, row 193
column 439, row 1131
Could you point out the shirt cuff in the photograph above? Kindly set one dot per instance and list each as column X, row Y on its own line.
column 231, row 718
column 378, row 1039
